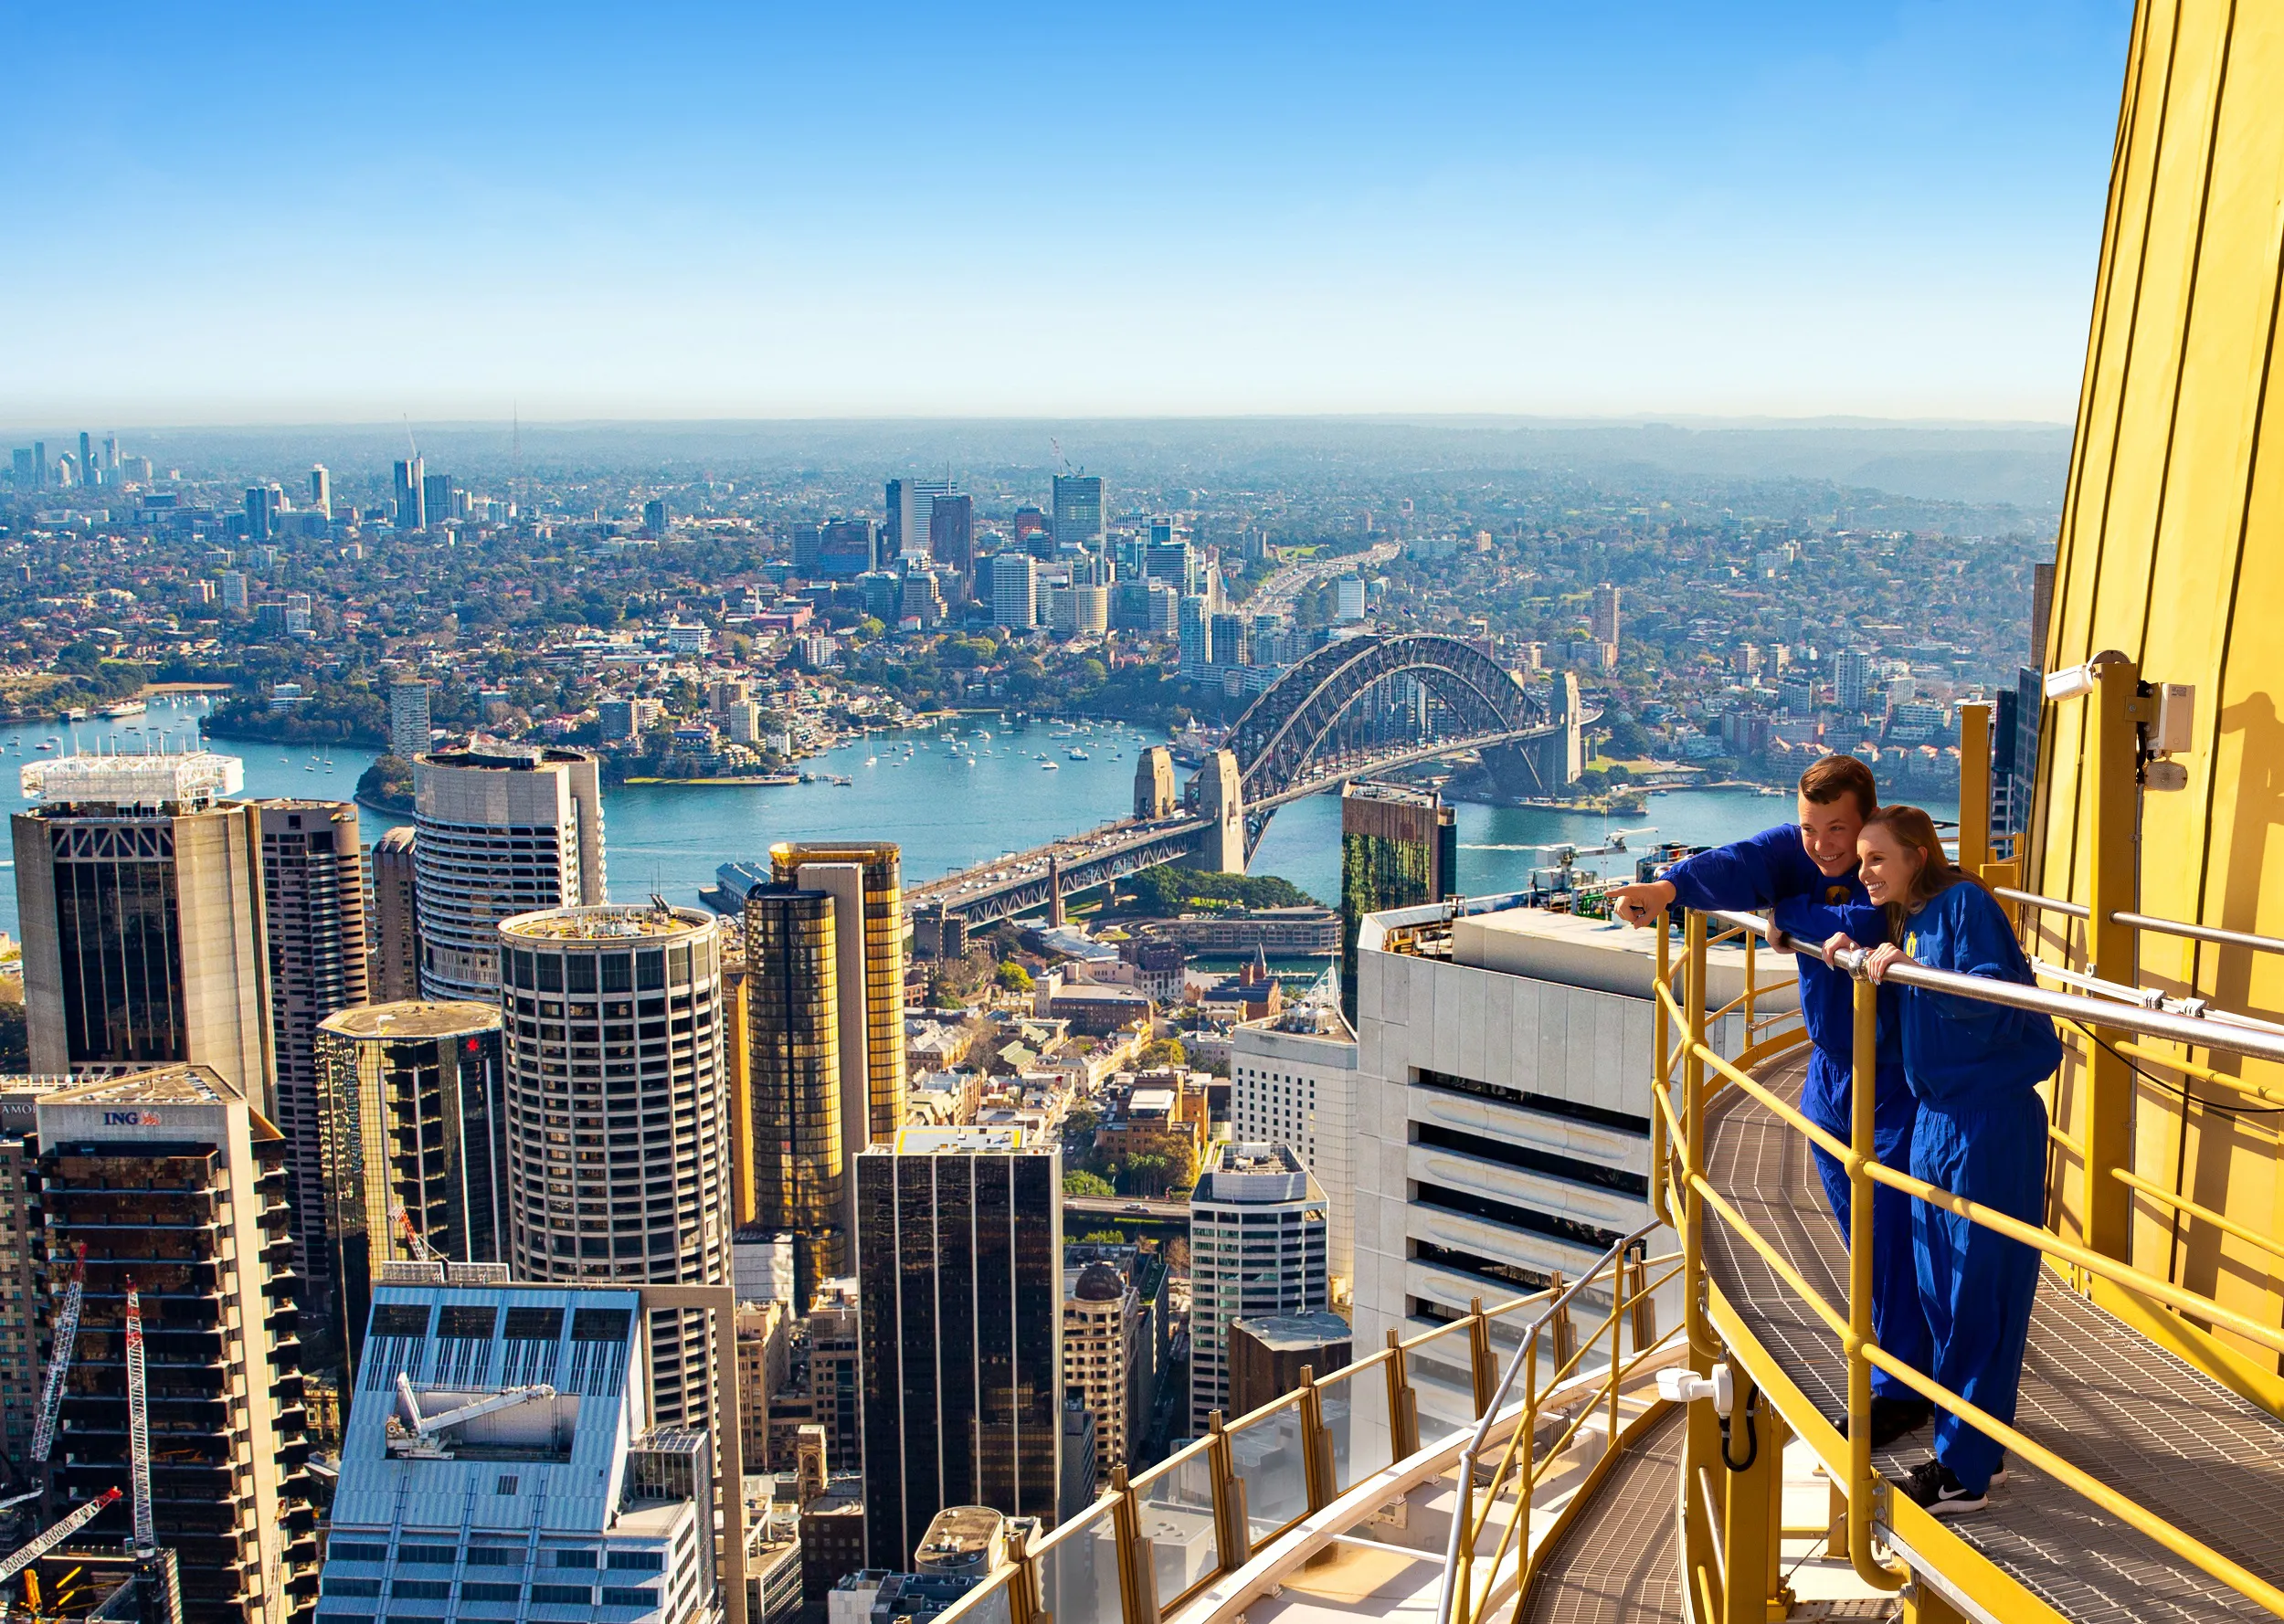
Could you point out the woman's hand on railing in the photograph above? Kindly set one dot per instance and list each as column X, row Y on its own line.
column 1884, row 958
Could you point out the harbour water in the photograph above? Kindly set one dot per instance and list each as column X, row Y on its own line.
column 949, row 804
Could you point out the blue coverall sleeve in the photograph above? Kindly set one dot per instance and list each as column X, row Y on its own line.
column 1980, row 942
column 1817, row 922
column 1743, row 874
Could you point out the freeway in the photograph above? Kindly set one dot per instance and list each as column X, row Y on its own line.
column 1283, row 589
column 1020, row 881
column 1125, row 1207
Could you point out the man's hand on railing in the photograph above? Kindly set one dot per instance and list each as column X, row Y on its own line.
column 1838, row 942
column 1644, row 904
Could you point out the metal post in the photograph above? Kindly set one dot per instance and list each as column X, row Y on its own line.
column 1699, row 1333
column 1974, row 787
column 2106, row 1122
column 2005, row 876
column 1661, row 1076
column 1752, row 1523
column 1404, row 1405
column 1232, row 1539
column 1024, row 1603
column 1862, row 1152
column 1485, row 1374
column 1645, row 1305
column 1138, row 1571
column 1315, row 1443
column 1561, row 1330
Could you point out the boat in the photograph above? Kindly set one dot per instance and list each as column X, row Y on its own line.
column 872, row 760
column 45, row 744
column 123, row 707
column 1078, row 754
column 1050, row 766
column 842, row 781
column 774, row 780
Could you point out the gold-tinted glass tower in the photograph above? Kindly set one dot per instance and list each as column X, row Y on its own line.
column 795, row 1158
column 872, row 966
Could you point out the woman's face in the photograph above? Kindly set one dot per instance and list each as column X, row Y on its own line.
column 1886, row 865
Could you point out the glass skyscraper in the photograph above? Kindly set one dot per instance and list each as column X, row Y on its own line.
column 1078, row 515
column 1399, row 848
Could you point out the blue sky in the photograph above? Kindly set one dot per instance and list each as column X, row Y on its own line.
column 280, row 213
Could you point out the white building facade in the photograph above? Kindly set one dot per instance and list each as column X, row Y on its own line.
column 1257, row 1246
column 1293, row 1081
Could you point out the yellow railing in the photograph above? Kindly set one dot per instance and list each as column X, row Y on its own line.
column 1154, row 1542
column 1690, row 1073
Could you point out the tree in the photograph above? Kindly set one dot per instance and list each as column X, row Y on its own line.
column 1103, row 1238
column 1013, row 976
column 1163, row 1051
column 1147, row 1175
column 1078, row 1182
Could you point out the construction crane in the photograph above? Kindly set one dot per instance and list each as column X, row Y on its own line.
column 60, row 1355
column 42, row 1544
column 426, row 1433
column 413, row 1237
column 139, row 1427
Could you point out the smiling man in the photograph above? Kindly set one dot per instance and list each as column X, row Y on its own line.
column 1804, row 875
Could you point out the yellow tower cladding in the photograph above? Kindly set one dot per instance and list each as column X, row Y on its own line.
column 2171, row 556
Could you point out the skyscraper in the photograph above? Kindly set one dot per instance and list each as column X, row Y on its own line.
column 959, row 1254
column 1605, row 621
column 1852, row 679
column 39, row 465
column 1078, row 510
column 411, row 494
column 177, row 1184
column 1195, row 629
column 952, row 534
column 393, row 934
column 792, row 1162
column 136, row 891
column 88, row 474
column 866, row 879
column 435, row 498
column 261, row 513
column 408, row 724
column 409, row 1099
column 322, row 490
column 1258, row 1246
column 499, row 829
column 312, row 914
column 654, row 517
column 910, row 502
column 1014, row 591
column 618, row 1123
column 1399, row 846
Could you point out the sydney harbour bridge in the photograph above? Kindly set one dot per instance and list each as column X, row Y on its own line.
column 1358, row 706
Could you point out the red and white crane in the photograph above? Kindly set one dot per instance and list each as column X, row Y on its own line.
column 139, row 1427
column 60, row 1355
column 42, row 1544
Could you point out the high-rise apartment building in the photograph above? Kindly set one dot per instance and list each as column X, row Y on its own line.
column 176, row 1186
column 654, row 517
column 1257, row 1246
column 136, row 890
column 1852, row 679
column 1397, row 847
column 393, row 930
column 1195, row 629
column 910, row 503
column 582, row 1500
column 1348, row 599
column 261, row 513
column 322, row 490
column 618, row 1123
column 499, row 829
column 435, row 498
column 952, row 533
column 409, row 1100
column 1014, row 592
column 312, row 914
column 1292, row 1082
column 408, row 724
column 1605, row 618
column 1078, row 510
column 411, row 495
column 959, row 1255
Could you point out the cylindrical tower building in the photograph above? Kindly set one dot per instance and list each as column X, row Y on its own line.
column 868, row 875
column 794, row 1152
column 617, row 1127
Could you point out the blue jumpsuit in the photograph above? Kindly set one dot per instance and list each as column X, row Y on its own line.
column 1982, row 1135
column 1772, row 870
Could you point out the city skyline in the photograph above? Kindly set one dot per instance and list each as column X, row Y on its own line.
column 1893, row 211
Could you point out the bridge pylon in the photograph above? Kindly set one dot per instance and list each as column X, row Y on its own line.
column 1154, row 792
column 1221, row 846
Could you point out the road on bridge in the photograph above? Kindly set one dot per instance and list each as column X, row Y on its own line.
column 1117, row 1207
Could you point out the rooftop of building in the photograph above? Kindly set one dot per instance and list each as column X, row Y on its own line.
column 182, row 1084
column 1400, row 794
column 960, row 1531
column 414, row 1017
column 1097, row 1281
column 195, row 778
column 974, row 1140
column 1295, row 1333
column 1255, row 1158
column 497, row 755
column 606, row 921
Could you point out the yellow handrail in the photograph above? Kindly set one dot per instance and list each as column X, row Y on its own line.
column 2222, row 1221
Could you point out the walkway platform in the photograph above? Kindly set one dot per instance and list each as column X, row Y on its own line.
column 2095, row 1391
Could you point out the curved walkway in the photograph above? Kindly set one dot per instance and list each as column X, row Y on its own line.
column 1617, row 1564
column 2095, row 1391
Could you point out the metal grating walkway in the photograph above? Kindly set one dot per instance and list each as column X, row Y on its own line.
column 2094, row 1391
column 1617, row 1562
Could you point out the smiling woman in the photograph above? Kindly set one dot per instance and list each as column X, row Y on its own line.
column 1781, row 209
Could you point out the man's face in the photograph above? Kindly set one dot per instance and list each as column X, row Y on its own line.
column 1828, row 831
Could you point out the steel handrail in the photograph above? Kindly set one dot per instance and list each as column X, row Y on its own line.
column 2214, row 935
column 1472, row 1451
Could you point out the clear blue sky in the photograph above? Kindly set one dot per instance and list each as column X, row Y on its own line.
column 279, row 213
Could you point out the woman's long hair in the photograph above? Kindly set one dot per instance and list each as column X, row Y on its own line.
column 1913, row 829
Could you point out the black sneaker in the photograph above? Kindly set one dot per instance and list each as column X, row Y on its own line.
column 1893, row 1419
column 1936, row 1492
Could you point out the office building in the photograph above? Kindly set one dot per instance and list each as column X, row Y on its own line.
column 409, row 728
column 1014, row 590
column 910, row 503
column 136, row 889
column 415, row 1138
column 499, row 829
column 394, row 933
column 20, row 473
column 952, row 533
column 842, row 550
column 312, row 914
column 1078, row 511
column 322, row 490
column 411, row 494
column 261, row 513
column 654, row 517
column 1397, row 847
column 1852, row 688
column 618, row 1126
column 816, row 1404
column 959, row 1253
column 40, row 475
column 1116, row 1344
column 1257, row 1246
column 1196, row 632
column 1292, row 1082
column 435, row 498
column 23, row 1291
column 1028, row 522
column 1079, row 611
column 1347, row 592
column 176, row 1186
column 1268, row 1356
column 578, row 1492
column 1605, row 617
column 234, row 590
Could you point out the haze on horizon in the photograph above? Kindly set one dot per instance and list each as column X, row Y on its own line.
column 346, row 215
